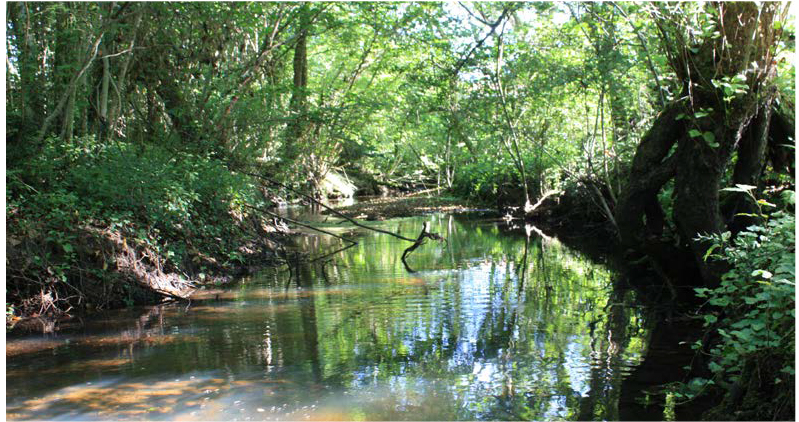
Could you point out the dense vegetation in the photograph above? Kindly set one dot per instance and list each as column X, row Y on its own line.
column 145, row 140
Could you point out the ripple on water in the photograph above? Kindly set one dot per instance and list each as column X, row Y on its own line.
column 362, row 338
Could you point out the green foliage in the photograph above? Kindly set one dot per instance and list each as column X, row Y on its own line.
column 752, row 314
column 139, row 136
column 484, row 181
column 179, row 206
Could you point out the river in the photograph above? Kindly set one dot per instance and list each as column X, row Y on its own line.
column 495, row 323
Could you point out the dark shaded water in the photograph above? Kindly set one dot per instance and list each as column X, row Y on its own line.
column 494, row 324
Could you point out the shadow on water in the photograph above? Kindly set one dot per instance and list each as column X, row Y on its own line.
column 494, row 324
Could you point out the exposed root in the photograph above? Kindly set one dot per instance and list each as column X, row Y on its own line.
column 144, row 266
column 106, row 268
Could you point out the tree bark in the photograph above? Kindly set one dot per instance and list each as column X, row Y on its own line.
column 103, row 101
column 51, row 117
column 638, row 211
column 782, row 129
column 748, row 169
column 122, row 81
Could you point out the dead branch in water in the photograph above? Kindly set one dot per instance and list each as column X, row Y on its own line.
column 425, row 234
column 315, row 201
column 300, row 224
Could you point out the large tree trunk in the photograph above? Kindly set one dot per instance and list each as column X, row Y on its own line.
column 738, row 207
column 713, row 128
column 782, row 127
column 638, row 210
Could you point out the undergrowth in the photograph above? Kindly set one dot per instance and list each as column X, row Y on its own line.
column 750, row 346
column 77, row 210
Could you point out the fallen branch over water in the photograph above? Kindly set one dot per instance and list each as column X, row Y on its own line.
column 300, row 224
column 315, row 201
column 529, row 209
column 425, row 234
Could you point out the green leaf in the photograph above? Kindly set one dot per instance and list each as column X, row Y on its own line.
column 762, row 273
column 740, row 188
column 720, row 301
column 766, row 203
column 702, row 291
column 710, row 139
column 694, row 133
column 745, row 334
column 707, row 255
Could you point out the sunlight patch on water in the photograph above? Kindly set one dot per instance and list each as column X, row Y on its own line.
column 493, row 325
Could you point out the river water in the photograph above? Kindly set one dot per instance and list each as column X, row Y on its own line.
column 496, row 323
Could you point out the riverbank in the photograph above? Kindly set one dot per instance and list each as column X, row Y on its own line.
column 111, row 267
column 90, row 228
column 107, row 263
column 383, row 208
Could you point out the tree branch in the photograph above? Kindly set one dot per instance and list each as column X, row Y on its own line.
column 308, row 197
column 493, row 27
column 49, row 120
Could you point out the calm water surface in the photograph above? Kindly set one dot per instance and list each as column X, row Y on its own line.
column 493, row 324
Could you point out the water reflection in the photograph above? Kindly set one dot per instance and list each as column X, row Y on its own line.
column 493, row 325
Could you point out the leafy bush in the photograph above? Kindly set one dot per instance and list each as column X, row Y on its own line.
column 754, row 318
column 488, row 181
column 177, row 205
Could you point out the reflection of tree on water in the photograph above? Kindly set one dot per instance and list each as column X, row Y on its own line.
column 497, row 341
column 496, row 326
column 668, row 353
column 308, row 317
column 608, row 343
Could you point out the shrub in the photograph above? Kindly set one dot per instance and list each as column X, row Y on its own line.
column 186, row 210
column 752, row 356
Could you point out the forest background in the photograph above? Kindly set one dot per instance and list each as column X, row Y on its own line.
column 146, row 142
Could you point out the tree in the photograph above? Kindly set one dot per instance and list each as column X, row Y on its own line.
column 299, row 94
column 724, row 58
